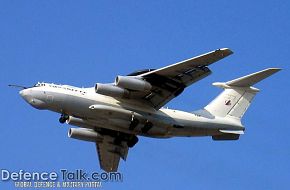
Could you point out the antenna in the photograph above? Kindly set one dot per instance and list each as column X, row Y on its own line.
column 17, row 86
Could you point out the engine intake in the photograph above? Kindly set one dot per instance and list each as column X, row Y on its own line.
column 133, row 83
column 85, row 135
column 77, row 122
column 111, row 90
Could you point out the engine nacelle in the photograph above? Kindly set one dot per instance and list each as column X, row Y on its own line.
column 77, row 122
column 111, row 90
column 132, row 83
column 85, row 135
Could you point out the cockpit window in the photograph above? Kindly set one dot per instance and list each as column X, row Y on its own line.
column 38, row 84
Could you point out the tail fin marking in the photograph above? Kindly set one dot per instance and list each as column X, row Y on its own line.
column 237, row 95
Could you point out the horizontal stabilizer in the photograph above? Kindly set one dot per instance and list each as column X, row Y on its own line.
column 237, row 95
column 240, row 132
column 249, row 80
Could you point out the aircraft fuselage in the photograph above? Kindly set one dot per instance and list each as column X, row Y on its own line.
column 88, row 109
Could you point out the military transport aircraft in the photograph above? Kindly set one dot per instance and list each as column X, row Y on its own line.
column 113, row 115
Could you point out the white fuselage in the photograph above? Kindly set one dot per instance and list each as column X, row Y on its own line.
column 116, row 113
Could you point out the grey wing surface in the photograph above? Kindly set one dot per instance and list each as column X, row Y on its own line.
column 110, row 152
column 170, row 81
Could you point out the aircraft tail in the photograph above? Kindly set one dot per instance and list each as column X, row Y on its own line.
column 237, row 95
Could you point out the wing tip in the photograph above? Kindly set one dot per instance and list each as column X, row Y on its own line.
column 276, row 69
column 226, row 51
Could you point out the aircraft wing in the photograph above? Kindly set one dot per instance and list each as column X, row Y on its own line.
column 170, row 81
column 110, row 152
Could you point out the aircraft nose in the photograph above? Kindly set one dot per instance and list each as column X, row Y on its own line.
column 21, row 92
column 30, row 97
column 25, row 94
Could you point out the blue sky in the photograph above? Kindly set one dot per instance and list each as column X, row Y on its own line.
column 84, row 42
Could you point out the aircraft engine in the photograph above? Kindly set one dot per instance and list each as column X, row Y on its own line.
column 85, row 134
column 77, row 122
column 132, row 83
column 111, row 90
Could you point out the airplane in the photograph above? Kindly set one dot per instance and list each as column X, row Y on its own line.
column 112, row 115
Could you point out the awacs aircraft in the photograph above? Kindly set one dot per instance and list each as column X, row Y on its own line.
column 113, row 115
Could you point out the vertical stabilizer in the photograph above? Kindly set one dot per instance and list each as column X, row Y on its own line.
column 237, row 95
